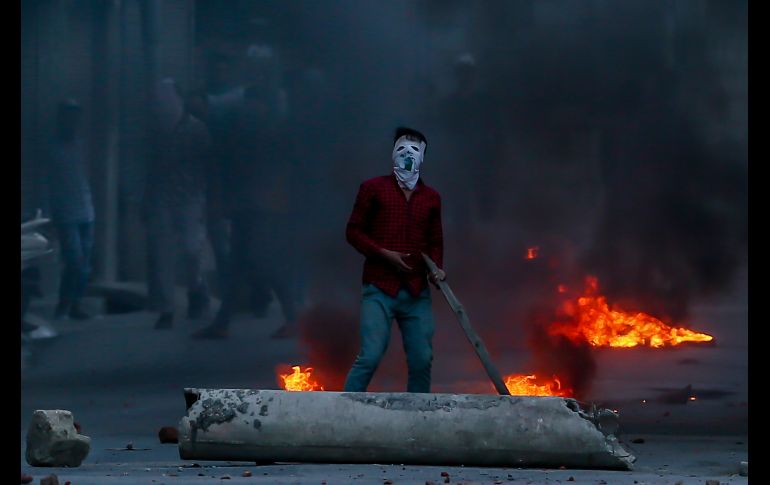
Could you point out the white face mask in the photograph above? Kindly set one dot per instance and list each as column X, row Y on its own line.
column 407, row 158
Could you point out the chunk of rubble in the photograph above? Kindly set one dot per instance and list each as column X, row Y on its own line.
column 414, row 428
column 52, row 440
column 168, row 434
column 50, row 480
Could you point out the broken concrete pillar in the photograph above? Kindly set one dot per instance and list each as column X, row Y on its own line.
column 53, row 441
column 367, row 427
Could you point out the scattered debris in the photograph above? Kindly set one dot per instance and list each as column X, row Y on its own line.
column 50, row 480
column 637, row 440
column 201, row 474
column 446, row 480
column 129, row 446
column 444, row 474
column 52, row 440
column 246, row 474
column 26, row 478
column 168, row 434
column 67, row 483
column 225, row 477
column 430, row 482
column 388, row 482
column 744, row 471
column 571, row 479
column 712, row 482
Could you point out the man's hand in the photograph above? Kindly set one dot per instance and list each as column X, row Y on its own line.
column 396, row 259
column 439, row 275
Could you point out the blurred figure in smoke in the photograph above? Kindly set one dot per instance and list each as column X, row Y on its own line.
column 258, row 181
column 174, row 205
column 395, row 218
column 217, row 222
column 471, row 127
column 72, row 209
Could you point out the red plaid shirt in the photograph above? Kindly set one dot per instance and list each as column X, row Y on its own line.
column 382, row 218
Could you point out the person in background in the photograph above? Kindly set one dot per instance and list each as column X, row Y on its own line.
column 174, row 205
column 72, row 209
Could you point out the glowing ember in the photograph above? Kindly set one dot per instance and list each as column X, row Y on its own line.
column 561, row 289
column 692, row 398
column 596, row 324
column 527, row 385
column 532, row 252
column 300, row 380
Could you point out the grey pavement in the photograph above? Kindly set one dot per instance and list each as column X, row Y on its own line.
column 123, row 381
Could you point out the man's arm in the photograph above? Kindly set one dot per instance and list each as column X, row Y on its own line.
column 356, row 224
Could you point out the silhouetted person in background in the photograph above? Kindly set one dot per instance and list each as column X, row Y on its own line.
column 471, row 126
column 259, row 201
column 174, row 205
column 72, row 209
column 217, row 222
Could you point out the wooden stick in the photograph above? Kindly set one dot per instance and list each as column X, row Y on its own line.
column 473, row 337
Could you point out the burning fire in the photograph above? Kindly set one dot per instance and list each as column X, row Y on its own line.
column 527, row 385
column 532, row 252
column 596, row 324
column 300, row 380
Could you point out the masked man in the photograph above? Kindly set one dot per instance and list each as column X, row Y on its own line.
column 395, row 218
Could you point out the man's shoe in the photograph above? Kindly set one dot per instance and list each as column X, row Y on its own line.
column 165, row 321
column 212, row 332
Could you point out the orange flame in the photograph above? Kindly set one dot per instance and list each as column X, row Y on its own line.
column 532, row 252
column 300, row 380
column 596, row 324
column 527, row 385
column 561, row 288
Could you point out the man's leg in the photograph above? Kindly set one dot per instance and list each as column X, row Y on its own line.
column 376, row 317
column 237, row 269
column 69, row 243
column 259, row 238
column 161, row 265
column 276, row 268
column 218, row 230
column 415, row 319
column 86, row 233
column 191, row 234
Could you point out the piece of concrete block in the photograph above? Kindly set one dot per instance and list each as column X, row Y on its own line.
column 417, row 428
column 52, row 440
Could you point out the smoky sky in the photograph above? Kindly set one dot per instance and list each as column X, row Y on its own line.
column 612, row 135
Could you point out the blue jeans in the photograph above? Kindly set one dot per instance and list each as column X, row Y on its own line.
column 415, row 320
column 76, row 241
